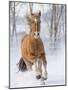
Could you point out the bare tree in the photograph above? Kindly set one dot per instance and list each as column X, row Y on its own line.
column 31, row 7
column 14, row 22
column 55, row 19
column 13, row 18
column 51, row 27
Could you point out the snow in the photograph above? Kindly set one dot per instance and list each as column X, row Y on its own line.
column 55, row 55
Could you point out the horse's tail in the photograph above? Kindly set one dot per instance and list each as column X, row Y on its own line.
column 21, row 65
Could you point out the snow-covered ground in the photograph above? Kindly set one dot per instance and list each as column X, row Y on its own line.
column 55, row 65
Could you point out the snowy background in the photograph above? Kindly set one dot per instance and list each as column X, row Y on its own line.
column 55, row 49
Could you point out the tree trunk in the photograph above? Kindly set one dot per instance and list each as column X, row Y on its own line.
column 51, row 30
column 55, row 19
column 31, row 7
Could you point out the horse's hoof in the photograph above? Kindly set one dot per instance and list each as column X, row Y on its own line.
column 44, row 78
column 38, row 76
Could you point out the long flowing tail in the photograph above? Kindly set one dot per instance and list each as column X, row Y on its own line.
column 21, row 65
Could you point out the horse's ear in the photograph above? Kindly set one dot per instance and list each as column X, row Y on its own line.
column 39, row 13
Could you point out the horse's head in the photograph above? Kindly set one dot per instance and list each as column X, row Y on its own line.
column 34, row 22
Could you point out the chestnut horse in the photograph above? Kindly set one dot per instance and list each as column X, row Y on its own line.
column 32, row 49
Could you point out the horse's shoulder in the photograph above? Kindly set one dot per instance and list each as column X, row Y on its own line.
column 40, row 42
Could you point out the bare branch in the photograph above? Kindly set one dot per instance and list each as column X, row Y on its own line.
column 60, row 15
column 31, row 7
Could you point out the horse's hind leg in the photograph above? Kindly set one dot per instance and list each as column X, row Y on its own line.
column 28, row 64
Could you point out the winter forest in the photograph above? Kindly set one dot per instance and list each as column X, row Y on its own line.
column 52, row 33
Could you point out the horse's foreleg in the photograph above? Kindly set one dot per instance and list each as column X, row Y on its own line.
column 44, row 70
column 37, row 68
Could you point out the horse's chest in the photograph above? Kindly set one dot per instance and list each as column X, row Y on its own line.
column 36, row 48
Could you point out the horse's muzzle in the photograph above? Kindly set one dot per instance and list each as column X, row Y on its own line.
column 36, row 35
